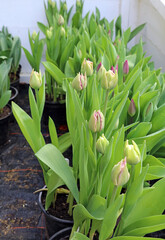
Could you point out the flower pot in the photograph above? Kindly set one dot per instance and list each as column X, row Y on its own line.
column 4, row 125
column 56, row 111
column 62, row 234
column 15, row 83
column 14, row 95
column 52, row 224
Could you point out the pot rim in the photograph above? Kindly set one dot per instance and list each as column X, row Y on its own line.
column 49, row 215
column 16, row 92
column 65, row 230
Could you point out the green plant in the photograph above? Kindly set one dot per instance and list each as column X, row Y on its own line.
column 5, row 93
column 37, row 46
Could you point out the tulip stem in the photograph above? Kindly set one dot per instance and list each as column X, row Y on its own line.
column 106, row 101
column 94, row 143
column 132, row 173
column 113, row 196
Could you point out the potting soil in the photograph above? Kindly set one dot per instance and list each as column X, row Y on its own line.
column 21, row 176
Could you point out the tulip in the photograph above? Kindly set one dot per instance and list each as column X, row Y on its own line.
column 132, row 153
column 60, row 20
column 34, row 35
column 120, row 174
column 79, row 82
column 53, row 4
column 49, row 33
column 126, row 67
column 132, row 108
column 35, row 79
column 96, row 121
column 101, row 144
column 101, row 71
column 87, row 66
column 65, row 7
column 62, row 32
column 110, row 80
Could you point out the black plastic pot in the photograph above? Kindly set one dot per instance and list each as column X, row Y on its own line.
column 52, row 223
column 62, row 234
column 56, row 111
column 15, row 83
column 4, row 127
column 14, row 96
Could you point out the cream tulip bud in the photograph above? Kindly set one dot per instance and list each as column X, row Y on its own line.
column 60, row 20
column 49, row 33
column 101, row 144
column 34, row 35
column 120, row 174
column 110, row 81
column 79, row 82
column 35, row 79
column 62, row 32
column 132, row 153
column 96, row 121
column 87, row 66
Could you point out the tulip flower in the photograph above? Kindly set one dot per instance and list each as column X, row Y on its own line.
column 101, row 144
column 132, row 153
column 126, row 67
column 101, row 71
column 79, row 82
column 60, row 20
column 96, row 121
column 35, row 79
column 132, row 108
column 49, row 33
column 34, row 35
column 120, row 174
column 87, row 66
column 62, row 32
column 110, row 80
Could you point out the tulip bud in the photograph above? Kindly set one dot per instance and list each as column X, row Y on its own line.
column 110, row 81
column 65, row 7
column 60, row 20
column 49, row 33
column 101, row 71
column 34, row 35
column 53, row 4
column 35, row 79
column 120, row 174
column 102, row 144
column 87, row 66
column 132, row 153
column 132, row 108
column 109, row 33
column 50, row 2
column 79, row 82
column 96, row 121
column 62, row 32
column 78, row 4
column 126, row 67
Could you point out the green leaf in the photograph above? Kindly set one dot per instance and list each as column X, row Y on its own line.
column 136, row 31
column 158, row 119
column 155, row 172
column 110, row 219
column 42, row 27
column 53, row 158
column 5, row 99
column 135, row 238
column 79, row 236
column 53, row 133
column 30, row 58
column 54, row 71
column 140, row 131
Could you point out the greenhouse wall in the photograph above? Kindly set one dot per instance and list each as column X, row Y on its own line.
column 21, row 16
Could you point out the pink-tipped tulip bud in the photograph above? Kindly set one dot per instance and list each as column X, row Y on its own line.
column 35, row 79
column 120, row 174
column 101, row 72
column 60, row 20
column 132, row 153
column 125, row 67
column 114, row 69
column 34, row 35
column 101, row 144
column 109, row 33
column 132, row 108
column 87, row 66
column 110, row 81
column 79, row 82
column 96, row 121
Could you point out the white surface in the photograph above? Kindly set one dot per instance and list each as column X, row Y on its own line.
column 22, row 15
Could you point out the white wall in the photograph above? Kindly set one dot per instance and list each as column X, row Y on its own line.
column 22, row 15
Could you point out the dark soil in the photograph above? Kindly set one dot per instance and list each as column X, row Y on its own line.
column 20, row 176
column 5, row 112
